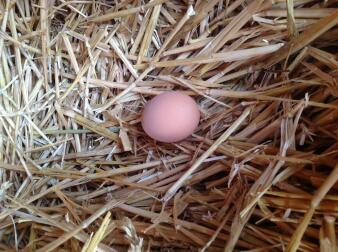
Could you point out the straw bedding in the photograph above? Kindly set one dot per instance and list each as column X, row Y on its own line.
column 77, row 172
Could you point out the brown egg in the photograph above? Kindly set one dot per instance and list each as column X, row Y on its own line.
column 170, row 117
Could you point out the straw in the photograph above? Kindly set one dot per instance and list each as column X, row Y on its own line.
column 78, row 172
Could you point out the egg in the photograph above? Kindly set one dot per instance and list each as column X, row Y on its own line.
column 170, row 117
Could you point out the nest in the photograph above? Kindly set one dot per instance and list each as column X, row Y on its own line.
column 77, row 172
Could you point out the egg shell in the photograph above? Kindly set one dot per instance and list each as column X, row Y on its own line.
column 170, row 117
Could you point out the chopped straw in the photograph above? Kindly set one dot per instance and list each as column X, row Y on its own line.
column 77, row 171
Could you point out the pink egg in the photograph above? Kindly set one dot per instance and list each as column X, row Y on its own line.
column 170, row 117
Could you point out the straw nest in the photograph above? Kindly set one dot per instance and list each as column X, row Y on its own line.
column 77, row 172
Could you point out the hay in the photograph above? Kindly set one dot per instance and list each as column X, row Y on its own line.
column 77, row 172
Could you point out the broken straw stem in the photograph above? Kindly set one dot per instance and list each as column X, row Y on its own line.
column 317, row 198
